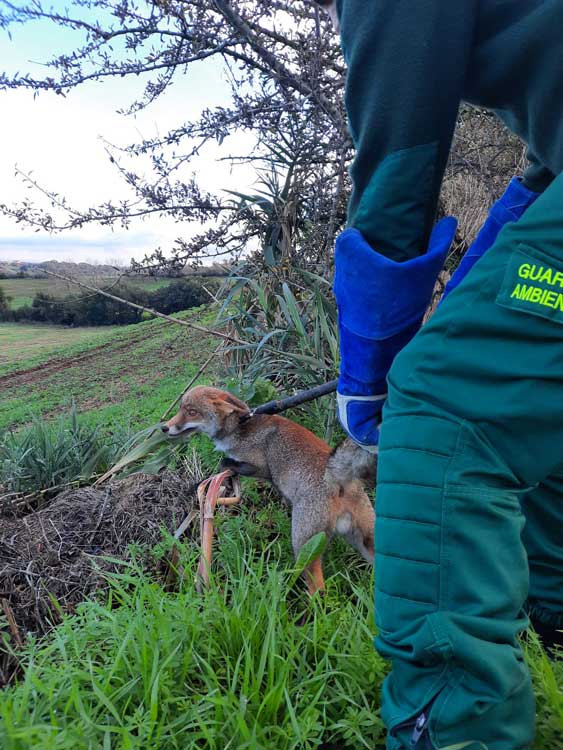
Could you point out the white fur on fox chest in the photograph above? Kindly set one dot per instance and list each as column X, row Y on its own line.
column 225, row 446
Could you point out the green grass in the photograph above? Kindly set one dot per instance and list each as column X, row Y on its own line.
column 231, row 669
column 147, row 668
column 22, row 291
column 120, row 377
column 144, row 282
column 22, row 341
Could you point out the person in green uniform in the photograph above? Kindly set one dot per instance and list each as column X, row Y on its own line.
column 469, row 530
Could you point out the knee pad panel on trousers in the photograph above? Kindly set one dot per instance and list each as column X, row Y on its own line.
column 451, row 579
column 411, row 474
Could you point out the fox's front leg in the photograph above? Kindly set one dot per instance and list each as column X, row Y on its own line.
column 239, row 467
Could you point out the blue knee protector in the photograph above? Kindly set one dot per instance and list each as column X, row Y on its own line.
column 509, row 207
column 381, row 304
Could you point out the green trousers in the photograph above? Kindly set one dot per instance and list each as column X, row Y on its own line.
column 469, row 528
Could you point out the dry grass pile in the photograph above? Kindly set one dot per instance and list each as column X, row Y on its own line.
column 53, row 558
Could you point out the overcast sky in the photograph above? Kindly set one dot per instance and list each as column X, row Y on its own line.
column 59, row 140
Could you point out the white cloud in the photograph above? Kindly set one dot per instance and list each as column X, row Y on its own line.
column 110, row 248
column 58, row 138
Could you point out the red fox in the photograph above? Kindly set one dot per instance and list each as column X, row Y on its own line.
column 322, row 486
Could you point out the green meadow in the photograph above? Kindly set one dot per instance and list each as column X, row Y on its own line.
column 124, row 374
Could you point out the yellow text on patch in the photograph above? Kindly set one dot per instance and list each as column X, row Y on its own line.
column 538, row 296
column 543, row 274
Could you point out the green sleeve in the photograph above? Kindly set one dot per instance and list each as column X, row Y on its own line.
column 537, row 176
column 407, row 62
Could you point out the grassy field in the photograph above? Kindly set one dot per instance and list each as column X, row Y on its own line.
column 22, row 291
column 147, row 668
column 23, row 342
column 120, row 375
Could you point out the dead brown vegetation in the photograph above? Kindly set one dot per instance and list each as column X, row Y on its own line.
column 52, row 559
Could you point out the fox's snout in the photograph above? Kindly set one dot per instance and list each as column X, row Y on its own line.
column 171, row 429
column 175, row 426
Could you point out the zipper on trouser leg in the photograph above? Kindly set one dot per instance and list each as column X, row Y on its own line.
column 420, row 735
column 420, row 730
column 419, row 739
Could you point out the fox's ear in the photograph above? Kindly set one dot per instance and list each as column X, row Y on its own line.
column 232, row 405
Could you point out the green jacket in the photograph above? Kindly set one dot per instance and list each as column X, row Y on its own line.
column 410, row 64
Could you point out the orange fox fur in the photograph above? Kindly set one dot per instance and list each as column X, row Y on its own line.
column 322, row 486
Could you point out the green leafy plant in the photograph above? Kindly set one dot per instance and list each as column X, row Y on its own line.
column 148, row 450
column 291, row 328
column 48, row 456
column 251, row 392
column 313, row 548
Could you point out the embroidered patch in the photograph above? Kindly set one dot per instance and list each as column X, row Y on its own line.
column 533, row 284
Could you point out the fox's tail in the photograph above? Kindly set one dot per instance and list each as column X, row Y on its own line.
column 350, row 462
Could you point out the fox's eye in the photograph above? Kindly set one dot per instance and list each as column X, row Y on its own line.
column 192, row 413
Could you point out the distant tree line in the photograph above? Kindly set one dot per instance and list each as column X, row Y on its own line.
column 18, row 275
column 91, row 309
